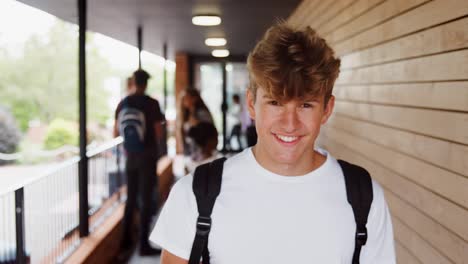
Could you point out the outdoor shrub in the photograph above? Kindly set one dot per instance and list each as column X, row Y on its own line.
column 59, row 133
column 10, row 134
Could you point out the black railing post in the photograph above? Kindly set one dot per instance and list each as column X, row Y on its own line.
column 224, row 106
column 139, row 44
column 165, row 76
column 83, row 165
column 118, row 181
column 19, row 213
column 164, row 137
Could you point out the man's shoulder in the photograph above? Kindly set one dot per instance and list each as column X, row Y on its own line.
column 119, row 105
column 151, row 99
column 238, row 165
column 182, row 189
column 378, row 192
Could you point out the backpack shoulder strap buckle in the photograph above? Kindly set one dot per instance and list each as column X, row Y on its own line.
column 203, row 225
column 361, row 235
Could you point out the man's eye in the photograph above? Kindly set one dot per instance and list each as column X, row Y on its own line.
column 273, row 102
column 307, row 105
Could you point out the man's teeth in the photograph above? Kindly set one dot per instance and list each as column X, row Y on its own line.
column 286, row 138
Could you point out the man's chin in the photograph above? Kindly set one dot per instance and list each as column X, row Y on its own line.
column 286, row 159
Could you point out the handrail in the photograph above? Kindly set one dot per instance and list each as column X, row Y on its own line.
column 68, row 162
column 105, row 146
column 64, row 149
column 39, row 176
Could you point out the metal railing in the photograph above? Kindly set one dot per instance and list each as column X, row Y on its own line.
column 106, row 177
column 40, row 217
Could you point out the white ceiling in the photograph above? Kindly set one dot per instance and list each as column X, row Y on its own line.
column 170, row 21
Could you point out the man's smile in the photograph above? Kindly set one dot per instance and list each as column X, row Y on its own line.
column 287, row 139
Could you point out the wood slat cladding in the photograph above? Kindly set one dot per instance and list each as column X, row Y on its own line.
column 433, row 207
column 404, row 255
column 374, row 17
column 441, row 67
column 431, row 231
column 357, row 9
column 452, row 96
column 449, row 126
column 402, row 112
column 429, row 15
column 449, row 156
column 447, row 37
column 417, row 245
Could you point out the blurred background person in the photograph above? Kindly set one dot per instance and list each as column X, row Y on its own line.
column 194, row 111
column 139, row 121
column 235, row 118
column 202, row 140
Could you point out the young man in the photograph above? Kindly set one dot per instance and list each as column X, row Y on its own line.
column 282, row 201
column 139, row 121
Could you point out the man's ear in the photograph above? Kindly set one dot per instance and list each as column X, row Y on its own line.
column 251, row 104
column 328, row 109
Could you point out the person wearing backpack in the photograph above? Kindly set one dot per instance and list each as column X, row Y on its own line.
column 283, row 200
column 139, row 121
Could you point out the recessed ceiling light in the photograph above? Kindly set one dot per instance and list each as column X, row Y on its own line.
column 206, row 20
column 220, row 53
column 215, row 42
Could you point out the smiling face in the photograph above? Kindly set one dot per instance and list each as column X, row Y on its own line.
column 287, row 130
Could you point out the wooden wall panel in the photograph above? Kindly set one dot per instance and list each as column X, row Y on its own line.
column 440, row 237
column 329, row 12
column 446, row 184
column 402, row 113
column 404, row 255
column 447, row 37
column 446, row 155
column 374, row 17
column 449, row 215
column 440, row 67
column 425, row 253
column 435, row 95
column 428, row 15
column 451, row 126
column 353, row 12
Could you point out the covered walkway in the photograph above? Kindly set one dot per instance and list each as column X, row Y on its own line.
column 401, row 112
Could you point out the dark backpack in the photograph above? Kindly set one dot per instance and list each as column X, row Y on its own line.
column 207, row 185
column 132, row 127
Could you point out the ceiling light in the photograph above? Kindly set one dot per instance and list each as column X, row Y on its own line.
column 215, row 42
column 206, row 20
column 220, row 53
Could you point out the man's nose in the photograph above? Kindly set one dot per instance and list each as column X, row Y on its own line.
column 290, row 120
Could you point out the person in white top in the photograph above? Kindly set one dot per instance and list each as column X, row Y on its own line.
column 235, row 119
column 283, row 200
column 203, row 139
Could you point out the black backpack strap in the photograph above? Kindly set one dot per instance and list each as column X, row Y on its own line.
column 360, row 194
column 206, row 187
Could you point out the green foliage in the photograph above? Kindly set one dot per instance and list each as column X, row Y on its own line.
column 60, row 133
column 42, row 83
column 9, row 133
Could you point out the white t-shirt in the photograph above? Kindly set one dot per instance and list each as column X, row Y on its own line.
column 261, row 217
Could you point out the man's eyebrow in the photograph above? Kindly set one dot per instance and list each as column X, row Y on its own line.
column 311, row 100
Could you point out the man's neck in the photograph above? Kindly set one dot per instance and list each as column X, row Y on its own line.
column 139, row 92
column 301, row 167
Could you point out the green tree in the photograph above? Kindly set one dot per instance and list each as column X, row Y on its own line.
column 43, row 82
column 60, row 133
